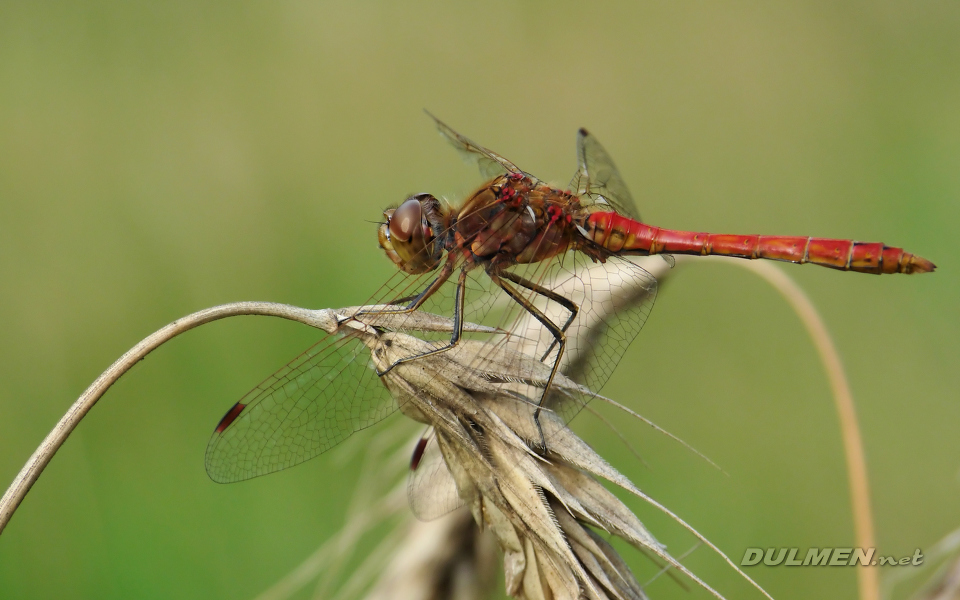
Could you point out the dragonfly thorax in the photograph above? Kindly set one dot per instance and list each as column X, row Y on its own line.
column 515, row 219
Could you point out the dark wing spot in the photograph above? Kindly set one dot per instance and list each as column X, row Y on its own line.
column 230, row 417
column 418, row 454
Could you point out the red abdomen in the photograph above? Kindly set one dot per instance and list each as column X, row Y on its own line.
column 621, row 235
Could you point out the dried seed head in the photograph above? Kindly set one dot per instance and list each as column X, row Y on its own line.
column 542, row 507
column 480, row 399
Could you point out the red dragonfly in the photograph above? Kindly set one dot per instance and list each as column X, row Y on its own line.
column 515, row 238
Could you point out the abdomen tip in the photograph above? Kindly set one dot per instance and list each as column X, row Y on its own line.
column 921, row 265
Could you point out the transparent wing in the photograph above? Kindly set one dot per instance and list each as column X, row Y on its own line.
column 621, row 295
column 307, row 407
column 310, row 405
column 490, row 163
column 431, row 489
column 597, row 180
column 614, row 299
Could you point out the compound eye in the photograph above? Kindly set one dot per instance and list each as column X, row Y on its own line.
column 406, row 220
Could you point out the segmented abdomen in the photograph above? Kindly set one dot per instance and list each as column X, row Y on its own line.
column 621, row 235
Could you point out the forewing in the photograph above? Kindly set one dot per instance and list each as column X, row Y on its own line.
column 307, row 407
column 490, row 163
column 318, row 399
column 597, row 180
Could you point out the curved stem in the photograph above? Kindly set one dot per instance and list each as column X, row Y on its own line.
column 44, row 453
column 867, row 578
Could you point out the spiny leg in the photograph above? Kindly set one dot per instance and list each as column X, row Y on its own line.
column 552, row 295
column 559, row 339
column 457, row 321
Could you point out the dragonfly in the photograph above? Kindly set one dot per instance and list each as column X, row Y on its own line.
column 512, row 257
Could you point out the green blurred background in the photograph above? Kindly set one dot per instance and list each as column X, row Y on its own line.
column 158, row 158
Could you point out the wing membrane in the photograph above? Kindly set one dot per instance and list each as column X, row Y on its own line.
column 614, row 299
column 598, row 180
column 307, row 407
column 490, row 163
column 431, row 490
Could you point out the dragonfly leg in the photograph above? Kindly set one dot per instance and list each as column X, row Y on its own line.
column 419, row 299
column 457, row 319
column 560, row 340
column 552, row 295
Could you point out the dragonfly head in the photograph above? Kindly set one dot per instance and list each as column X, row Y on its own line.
column 409, row 235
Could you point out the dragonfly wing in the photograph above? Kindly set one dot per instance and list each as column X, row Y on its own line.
column 307, row 407
column 490, row 163
column 614, row 299
column 320, row 398
column 597, row 180
column 622, row 295
column 431, row 489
